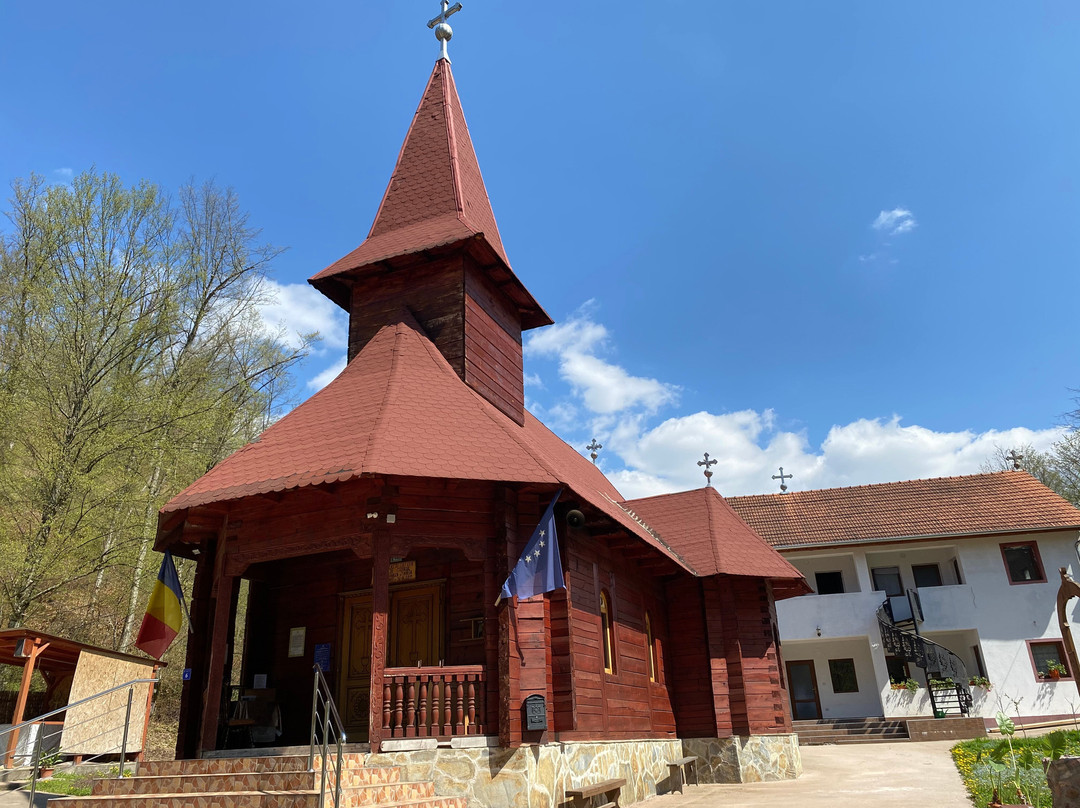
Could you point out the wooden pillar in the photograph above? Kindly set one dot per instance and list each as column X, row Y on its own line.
column 20, row 702
column 380, row 607
column 509, row 653
column 217, row 662
column 492, row 584
column 190, row 723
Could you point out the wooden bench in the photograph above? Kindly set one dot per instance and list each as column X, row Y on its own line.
column 677, row 769
column 607, row 787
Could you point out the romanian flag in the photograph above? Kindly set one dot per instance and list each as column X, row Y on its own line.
column 164, row 613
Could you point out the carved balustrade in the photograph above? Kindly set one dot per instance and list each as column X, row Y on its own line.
column 433, row 702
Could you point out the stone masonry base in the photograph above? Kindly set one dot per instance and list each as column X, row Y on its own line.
column 537, row 776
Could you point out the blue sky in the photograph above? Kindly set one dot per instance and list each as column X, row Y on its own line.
column 839, row 237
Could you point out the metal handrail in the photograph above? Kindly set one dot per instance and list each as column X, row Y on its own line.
column 885, row 619
column 66, row 707
column 321, row 697
column 35, row 755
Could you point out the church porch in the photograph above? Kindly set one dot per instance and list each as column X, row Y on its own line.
column 309, row 588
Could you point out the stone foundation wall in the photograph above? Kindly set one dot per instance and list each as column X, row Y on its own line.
column 537, row 776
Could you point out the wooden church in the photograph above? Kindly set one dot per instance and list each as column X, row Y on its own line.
column 377, row 521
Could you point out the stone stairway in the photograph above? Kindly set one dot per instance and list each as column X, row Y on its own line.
column 262, row 782
column 850, row 730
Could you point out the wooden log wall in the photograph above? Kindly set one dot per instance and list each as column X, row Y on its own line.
column 688, row 653
column 744, row 657
column 433, row 291
column 471, row 322
column 493, row 357
column 623, row 704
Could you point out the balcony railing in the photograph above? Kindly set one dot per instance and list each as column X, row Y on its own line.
column 434, row 702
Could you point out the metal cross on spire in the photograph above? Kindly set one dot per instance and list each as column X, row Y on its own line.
column 1015, row 458
column 443, row 31
column 593, row 448
column 781, row 477
column 706, row 463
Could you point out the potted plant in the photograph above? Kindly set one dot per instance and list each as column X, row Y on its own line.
column 980, row 681
column 942, row 684
column 1055, row 670
column 47, row 763
column 909, row 685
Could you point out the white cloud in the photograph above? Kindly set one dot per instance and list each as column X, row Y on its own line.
column 644, row 458
column 294, row 309
column 750, row 451
column 325, row 377
column 604, row 388
column 895, row 222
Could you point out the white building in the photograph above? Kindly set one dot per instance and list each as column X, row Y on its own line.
column 979, row 554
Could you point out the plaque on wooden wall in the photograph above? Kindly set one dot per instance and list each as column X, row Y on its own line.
column 402, row 571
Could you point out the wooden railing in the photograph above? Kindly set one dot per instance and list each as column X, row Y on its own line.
column 434, row 702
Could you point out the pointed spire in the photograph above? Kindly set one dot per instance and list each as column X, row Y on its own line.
column 436, row 197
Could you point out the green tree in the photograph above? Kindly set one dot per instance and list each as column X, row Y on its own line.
column 132, row 359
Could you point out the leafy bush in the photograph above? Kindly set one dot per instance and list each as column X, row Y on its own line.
column 1011, row 767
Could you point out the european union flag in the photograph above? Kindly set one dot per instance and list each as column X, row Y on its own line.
column 539, row 568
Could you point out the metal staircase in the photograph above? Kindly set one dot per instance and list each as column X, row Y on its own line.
column 936, row 661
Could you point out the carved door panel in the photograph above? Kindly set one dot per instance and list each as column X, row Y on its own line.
column 415, row 627
column 415, row 635
column 355, row 690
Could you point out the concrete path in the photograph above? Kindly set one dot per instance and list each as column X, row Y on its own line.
column 879, row 775
column 13, row 797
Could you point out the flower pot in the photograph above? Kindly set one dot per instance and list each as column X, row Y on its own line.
column 1055, row 674
column 46, row 772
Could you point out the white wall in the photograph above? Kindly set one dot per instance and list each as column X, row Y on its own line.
column 988, row 610
column 1009, row 614
column 840, row 705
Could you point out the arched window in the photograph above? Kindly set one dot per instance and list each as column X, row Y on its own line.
column 605, row 631
column 651, row 646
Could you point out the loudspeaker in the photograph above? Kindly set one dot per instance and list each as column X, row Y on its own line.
column 575, row 519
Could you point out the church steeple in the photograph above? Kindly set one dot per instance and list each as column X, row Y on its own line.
column 435, row 250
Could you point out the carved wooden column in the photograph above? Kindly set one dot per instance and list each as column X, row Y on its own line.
column 492, row 582
column 509, row 659
column 380, row 606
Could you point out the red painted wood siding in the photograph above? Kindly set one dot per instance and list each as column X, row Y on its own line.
column 624, row 704
column 432, row 291
column 493, row 357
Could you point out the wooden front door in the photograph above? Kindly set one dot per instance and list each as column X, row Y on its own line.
column 354, row 689
column 804, row 695
column 415, row 637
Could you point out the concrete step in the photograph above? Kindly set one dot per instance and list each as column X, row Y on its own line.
column 850, row 730
column 235, row 765
column 308, row 798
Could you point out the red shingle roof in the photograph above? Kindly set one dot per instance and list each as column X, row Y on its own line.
column 703, row 529
column 436, row 196
column 1007, row 501
column 399, row 408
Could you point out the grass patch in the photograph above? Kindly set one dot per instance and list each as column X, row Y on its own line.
column 74, row 784
column 973, row 761
column 68, row 783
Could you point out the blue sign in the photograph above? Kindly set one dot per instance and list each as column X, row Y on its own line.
column 322, row 656
column 186, row 675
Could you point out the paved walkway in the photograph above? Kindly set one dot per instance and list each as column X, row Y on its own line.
column 879, row 775
column 11, row 797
